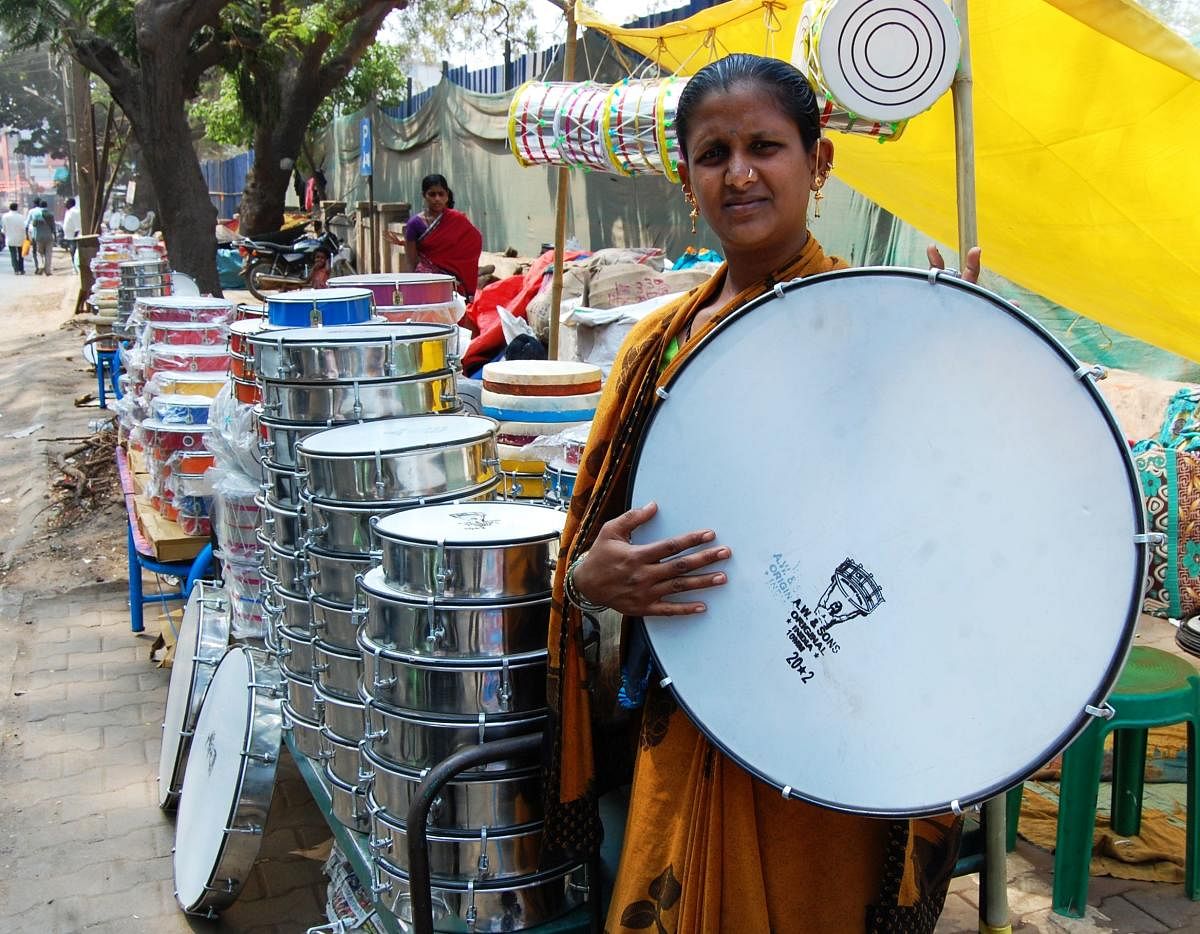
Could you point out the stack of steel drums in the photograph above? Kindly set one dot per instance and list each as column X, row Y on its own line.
column 453, row 644
column 351, row 475
column 140, row 278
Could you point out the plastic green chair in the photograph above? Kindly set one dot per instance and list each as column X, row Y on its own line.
column 1156, row 688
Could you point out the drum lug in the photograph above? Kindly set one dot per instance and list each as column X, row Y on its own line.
column 1092, row 372
column 454, row 362
column 1150, row 538
column 472, row 914
column 379, row 844
column 378, row 888
column 483, row 865
column 254, row 829
column 380, row 486
column 504, row 695
column 482, row 726
column 435, row 810
column 584, row 887
column 392, row 367
column 436, row 632
column 381, row 684
column 207, row 662
column 358, row 406
column 1104, row 710
column 490, row 462
column 265, row 758
column 271, row 690
column 441, row 574
column 227, row 888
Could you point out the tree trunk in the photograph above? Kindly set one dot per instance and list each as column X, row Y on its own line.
column 276, row 139
column 189, row 218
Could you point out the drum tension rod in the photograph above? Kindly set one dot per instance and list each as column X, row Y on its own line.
column 249, row 828
column 1105, row 710
column 1095, row 372
column 1150, row 538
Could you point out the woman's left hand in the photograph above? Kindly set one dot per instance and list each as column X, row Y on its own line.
column 970, row 270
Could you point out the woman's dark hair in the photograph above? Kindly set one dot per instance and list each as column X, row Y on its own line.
column 783, row 81
column 438, row 181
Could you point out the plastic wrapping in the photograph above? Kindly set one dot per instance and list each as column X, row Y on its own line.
column 180, row 409
column 236, row 513
column 244, row 587
column 186, row 358
column 234, row 437
column 348, row 905
column 564, row 448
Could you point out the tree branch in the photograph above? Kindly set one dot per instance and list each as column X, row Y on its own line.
column 212, row 53
column 101, row 58
column 369, row 17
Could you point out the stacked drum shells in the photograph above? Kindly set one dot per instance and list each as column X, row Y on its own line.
column 401, row 297
column 351, row 475
column 108, row 295
column 140, row 278
column 453, row 645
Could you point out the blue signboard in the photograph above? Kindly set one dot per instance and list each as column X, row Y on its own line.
column 365, row 148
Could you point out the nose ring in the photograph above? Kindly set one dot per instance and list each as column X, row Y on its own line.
column 750, row 174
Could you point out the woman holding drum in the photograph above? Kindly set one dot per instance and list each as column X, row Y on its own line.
column 708, row 847
column 443, row 240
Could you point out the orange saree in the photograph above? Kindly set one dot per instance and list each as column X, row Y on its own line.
column 707, row 847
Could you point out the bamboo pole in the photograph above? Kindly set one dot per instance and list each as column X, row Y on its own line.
column 993, row 882
column 560, row 212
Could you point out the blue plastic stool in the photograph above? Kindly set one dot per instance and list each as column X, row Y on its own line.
column 188, row 573
column 108, row 368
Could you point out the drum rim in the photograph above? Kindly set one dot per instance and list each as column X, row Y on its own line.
column 1116, row 663
column 324, row 386
column 388, row 278
column 278, row 337
column 466, row 544
column 512, row 660
column 484, row 433
column 420, row 603
column 309, row 296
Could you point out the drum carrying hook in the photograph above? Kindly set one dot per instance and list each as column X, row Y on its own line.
column 1105, row 710
column 1094, row 372
column 1150, row 538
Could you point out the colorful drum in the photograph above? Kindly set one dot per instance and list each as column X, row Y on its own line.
column 548, row 409
column 181, row 308
column 638, row 118
column 401, row 288
column 181, row 410
column 185, row 332
column 517, row 485
column 241, row 367
column 519, row 434
column 246, row 391
column 882, row 61
column 541, row 378
column 241, row 331
column 190, row 384
column 560, row 484
column 166, row 438
column 319, row 308
column 245, row 312
column 187, row 358
column 195, row 462
column 557, row 123
column 441, row 313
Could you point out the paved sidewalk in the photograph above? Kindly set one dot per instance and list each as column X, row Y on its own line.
column 83, row 843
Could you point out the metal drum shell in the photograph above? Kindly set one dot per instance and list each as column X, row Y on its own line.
column 347, row 803
column 290, row 566
column 359, row 399
column 346, row 719
column 335, row 624
column 521, row 904
column 277, row 440
column 333, row 577
column 291, row 609
column 342, row 759
column 502, row 799
column 492, row 854
column 283, row 484
column 469, row 573
column 306, row 734
column 413, row 741
column 500, row 687
column 401, row 288
column 281, row 524
column 336, row 672
column 302, row 697
column 401, row 473
column 295, row 651
column 412, row 625
column 346, row 527
column 369, row 352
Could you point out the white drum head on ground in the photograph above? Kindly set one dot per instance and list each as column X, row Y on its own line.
column 934, row 522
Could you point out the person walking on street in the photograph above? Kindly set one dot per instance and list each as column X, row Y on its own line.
column 13, row 225
column 72, row 228
column 33, row 206
column 41, row 232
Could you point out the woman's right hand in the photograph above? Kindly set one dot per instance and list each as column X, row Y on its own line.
column 636, row 579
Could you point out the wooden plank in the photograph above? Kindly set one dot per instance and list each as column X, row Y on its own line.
column 166, row 538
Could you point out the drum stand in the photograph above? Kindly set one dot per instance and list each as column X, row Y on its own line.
column 993, row 877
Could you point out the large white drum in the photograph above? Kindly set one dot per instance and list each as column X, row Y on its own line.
column 938, row 565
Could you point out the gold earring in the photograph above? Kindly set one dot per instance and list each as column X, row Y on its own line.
column 817, row 184
column 694, row 214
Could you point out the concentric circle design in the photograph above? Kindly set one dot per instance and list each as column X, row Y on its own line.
column 883, row 60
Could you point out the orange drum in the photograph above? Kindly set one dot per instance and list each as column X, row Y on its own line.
column 195, row 462
column 242, row 329
column 246, row 390
column 241, row 367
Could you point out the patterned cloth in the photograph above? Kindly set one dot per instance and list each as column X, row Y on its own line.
column 1170, row 479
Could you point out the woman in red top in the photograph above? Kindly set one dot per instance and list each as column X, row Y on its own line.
column 443, row 240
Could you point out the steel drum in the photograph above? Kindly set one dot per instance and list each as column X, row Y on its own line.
column 355, row 352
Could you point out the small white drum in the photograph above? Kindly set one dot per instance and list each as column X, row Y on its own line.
column 228, row 783
column 934, row 585
column 203, row 639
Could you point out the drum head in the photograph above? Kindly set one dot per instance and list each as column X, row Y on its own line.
column 397, row 434
column 469, row 524
column 933, row 523
column 353, row 334
column 183, row 284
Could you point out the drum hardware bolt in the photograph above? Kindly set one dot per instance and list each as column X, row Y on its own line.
column 935, row 274
column 1105, row 710
column 230, row 885
column 379, row 844
column 371, row 735
column 367, row 778
column 504, row 695
column 472, row 914
column 778, row 290
column 264, row 758
column 666, row 682
column 383, row 683
column 956, row 808
column 435, row 810
column 209, row 662
column 186, row 734
column 1150, row 538
column 787, row 791
column 482, row 726
column 378, row 888
column 271, row 689
column 662, row 393
column 1094, row 372
column 491, row 462
column 249, row 828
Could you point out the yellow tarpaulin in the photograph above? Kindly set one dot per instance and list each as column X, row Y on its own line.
column 1087, row 142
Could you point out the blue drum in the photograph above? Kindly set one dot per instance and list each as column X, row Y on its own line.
column 178, row 409
column 310, row 308
column 560, row 484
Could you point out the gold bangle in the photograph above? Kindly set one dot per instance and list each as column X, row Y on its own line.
column 572, row 590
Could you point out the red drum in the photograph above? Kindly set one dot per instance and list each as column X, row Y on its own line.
column 196, row 462
column 194, row 358
column 186, row 332
column 166, row 438
column 241, row 330
column 440, row 313
column 183, row 308
column 401, row 288
column 195, row 525
column 245, row 312
column 246, row 390
column 241, row 367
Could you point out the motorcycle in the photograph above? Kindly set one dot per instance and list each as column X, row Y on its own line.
column 304, row 263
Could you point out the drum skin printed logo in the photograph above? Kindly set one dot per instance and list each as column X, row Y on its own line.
column 210, row 751
column 475, row 521
column 852, row 592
